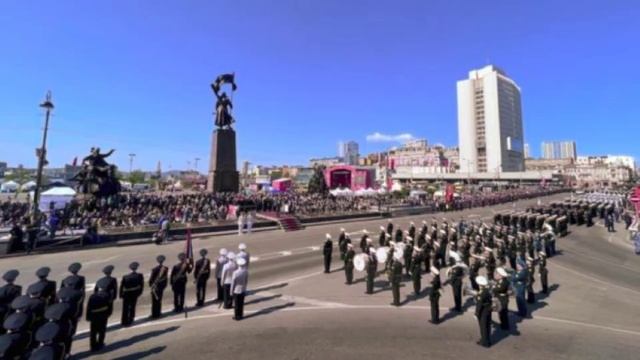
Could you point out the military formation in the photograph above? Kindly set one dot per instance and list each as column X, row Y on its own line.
column 41, row 323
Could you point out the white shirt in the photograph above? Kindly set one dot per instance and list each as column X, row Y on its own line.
column 227, row 272
column 239, row 281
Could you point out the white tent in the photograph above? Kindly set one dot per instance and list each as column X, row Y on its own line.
column 59, row 191
column 28, row 186
column 396, row 187
column 58, row 196
column 9, row 186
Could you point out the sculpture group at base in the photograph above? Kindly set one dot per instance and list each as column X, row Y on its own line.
column 97, row 177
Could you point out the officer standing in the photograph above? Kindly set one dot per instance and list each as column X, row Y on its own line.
column 50, row 347
column 416, row 270
column 60, row 314
column 178, row 278
column 395, row 277
column 47, row 287
column 519, row 286
column 501, row 291
column 363, row 240
column 434, row 295
column 201, row 275
column 483, row 311
column 327, row 251
column 348, row 263
column 75, row 299
column 98, row 312
column 37, row 305
column 382, row 237
column 131, row 288
column 112, row 283
column 531, row 296
column 544, row 272
column 342, row 243
column 227, row 279
column 243, row 253
column 158, row 282
column 408, row 251
column 8, row 293
column 455, row 279
column 17, row 341
column 239, row 282
column 220, row 262
column 372, row 269
column 389, row 227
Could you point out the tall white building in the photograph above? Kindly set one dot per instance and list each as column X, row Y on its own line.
column 349, row 151
column 559, row 150
column 490, row 133
column 527, row 151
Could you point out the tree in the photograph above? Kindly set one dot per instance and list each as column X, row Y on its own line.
column 136, row 177
column 317, row 184
column 19, row 175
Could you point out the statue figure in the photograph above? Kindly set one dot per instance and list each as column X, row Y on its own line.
column 223, row 103
column 97, row 177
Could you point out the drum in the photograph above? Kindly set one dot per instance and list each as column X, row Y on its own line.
column 382, row 254
column 360, row 262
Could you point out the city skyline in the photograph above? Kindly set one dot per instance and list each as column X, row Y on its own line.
column 323, row 75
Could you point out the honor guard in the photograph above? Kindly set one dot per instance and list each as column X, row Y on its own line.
column 76, row 282
column 60, row 314
column 372, row 269
column 36, row 306
column 158, row 282
column 220, row 262
column 112, row 283
column 416, row 270
column 17, row 341
column 239, row 282
column 131, row 288
column 348, row 264
column 8, row 293
column 483, row 311
column 227, row 279
column 178, row 278
column 327, row 251
column 47, row 287
column 201, row 274
column 75, row 299
column 544, row 272
column 395, row 277
column 501, row 292
column 434, row 295
column 48, row 336
column 98, row 313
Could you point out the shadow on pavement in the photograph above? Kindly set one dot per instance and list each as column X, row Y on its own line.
column 412, row 297
column 552, row 288
column 263, row 299
column 269, row 310
column 267, row 288
column 142, row 354
column 127, row 342
column 453, row 314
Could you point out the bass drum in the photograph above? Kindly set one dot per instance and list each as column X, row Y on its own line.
column 360, row 261
column 382, row 253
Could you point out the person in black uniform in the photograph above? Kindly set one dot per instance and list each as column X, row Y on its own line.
column 455, row 279
column 201, row 275
column 544, row 272
column 16, row 238
column 342, row 243
column 50, row 345
column 382, row 238
column 348, row 263
column 47, row 287
column 131, row 288
column 395, row 277
column 363, row 240
column 434, row 295
column 483, row 311
column 389, row 227
column 416, row 270
column 112, row 282
column 98, row 312
column 412, row 230
column 531, row 278
column 76, row 282
column 17, row 341
column 8, row 293
column 408, row 251
column 36, row 306
column 327, row 251
column 178, row 278
column 372, row 269
column 158, row 282
column 75, row 299
column 61, row 314
column 501, row 291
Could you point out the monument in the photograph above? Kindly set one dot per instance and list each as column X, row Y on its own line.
column 223, row 172
column 97, row 177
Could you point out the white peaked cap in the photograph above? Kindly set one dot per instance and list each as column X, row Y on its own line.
column 502, row 272
column 242, row 246
column 241, row 261
column 382, row 228
column 328, row 236
column 365, row 231
column 342, row 229
column 231, row 255
column 481, row 280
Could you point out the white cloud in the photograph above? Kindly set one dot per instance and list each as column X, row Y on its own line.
column 378, row 137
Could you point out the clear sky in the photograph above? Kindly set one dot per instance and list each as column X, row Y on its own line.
column 135, row 75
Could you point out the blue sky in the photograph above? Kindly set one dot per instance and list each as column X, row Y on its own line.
column 134, row 75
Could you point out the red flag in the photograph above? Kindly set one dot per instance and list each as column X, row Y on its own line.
column 188, row 246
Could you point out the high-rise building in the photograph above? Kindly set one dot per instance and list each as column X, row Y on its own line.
column 527, row 151
column 349, row 151
column 490, row 133
column 559, row 150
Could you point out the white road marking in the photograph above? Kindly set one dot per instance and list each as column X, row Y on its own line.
column 101, row 260
column 254, row 259
column 314, row 248
column 286, row 253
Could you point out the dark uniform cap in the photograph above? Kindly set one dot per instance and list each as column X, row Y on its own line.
column 107, row 270
column 67, row 294
column 181, row 256
column 134, row 265
column 43, row 353
column 57, row 312
column 43, row 272
column 160, row 259
column 75, row 267
column 203, row 252
column 47, row 332
column 103, row 284
column 36, row 289
column 21, row 302
column 10, row 275
column 16, row 322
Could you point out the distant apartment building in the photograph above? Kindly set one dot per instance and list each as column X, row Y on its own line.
column 527, row 152
column 3, row 168
column 490, row 132
column 418, row 154
column 326, row 162
column 559, row 150
column 349, row 151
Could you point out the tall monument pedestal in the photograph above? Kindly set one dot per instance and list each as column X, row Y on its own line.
column 223, row 170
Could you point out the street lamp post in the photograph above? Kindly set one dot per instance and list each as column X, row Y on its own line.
column 42, row 155
column 196, row 163
column 131, row 156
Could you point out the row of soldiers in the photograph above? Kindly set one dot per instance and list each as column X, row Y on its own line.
column 508, row 257
column 41, row 323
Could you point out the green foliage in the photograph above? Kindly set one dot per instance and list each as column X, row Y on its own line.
column 19, row 175
column 276, row 175
column 136, row 177
column 317, row 184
